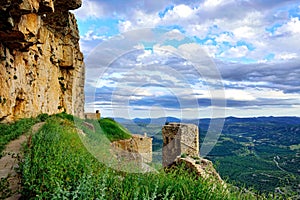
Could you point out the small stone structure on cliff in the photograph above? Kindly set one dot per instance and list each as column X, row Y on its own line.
column 136, row 148
column 178, row 139
column 96, row 115
column 41, row 66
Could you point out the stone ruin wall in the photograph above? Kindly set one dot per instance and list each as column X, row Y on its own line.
column 178, row 139
column 41, row 66
column 137, row 147
column 189, row 139
column 95, row 116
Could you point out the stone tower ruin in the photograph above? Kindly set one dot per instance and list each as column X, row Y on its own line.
column 178, row 139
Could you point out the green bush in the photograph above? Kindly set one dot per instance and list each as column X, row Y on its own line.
column 65, row 115
column 183, row 155
column 43, row 117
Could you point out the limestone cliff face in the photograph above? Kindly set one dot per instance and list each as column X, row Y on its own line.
column 41, row 66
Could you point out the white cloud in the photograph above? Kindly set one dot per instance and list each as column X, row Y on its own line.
column 138, row 20
column 180, row 11
column 199, row 30
column 125, row 26
column 174, row 35
column 230, row 94
column 89, row 9
column 92, row 35
column 142, row 57
column 244, row 32
column 189, row 49
column 215, row 3
column 225, row 37
column 293, row 27
column 239, row 95
column 235, row 52
column 211, row 50
column 145, row 20
column 286, row 56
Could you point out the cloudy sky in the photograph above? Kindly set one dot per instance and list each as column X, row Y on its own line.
column 191, row 59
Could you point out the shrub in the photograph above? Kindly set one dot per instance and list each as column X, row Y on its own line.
column 65, row 115
column 43, row 117
column 183, row 155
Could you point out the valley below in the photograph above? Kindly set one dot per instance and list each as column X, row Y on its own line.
column 261, row 153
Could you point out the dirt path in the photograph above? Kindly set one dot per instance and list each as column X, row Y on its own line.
column 9, row 163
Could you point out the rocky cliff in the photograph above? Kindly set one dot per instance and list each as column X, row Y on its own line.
column 41, row 66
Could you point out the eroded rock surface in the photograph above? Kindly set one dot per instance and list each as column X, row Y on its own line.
column 41, row 66
column 203, row 167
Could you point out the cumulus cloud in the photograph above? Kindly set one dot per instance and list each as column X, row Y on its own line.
column 180, row 11
column 291, row 27
column 236, row 52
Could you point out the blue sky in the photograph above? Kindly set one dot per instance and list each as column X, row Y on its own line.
column 191, row 59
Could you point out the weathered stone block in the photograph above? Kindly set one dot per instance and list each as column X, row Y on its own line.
column 141, row 146
column 178, row 139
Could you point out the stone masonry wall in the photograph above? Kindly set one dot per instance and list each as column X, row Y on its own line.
column 95, row 116
column 41, row 66
column 138, row 144
column 178, row 139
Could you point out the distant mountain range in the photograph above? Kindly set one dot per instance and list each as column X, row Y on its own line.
column 146, row 121
column 163, row 120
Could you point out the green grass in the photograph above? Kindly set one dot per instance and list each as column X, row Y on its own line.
column 113, row 130
column 12, row 131
column 59, row 165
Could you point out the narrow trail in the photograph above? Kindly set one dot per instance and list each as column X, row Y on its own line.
column 277, row 164
column 9, row 163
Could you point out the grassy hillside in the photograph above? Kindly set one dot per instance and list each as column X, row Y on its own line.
column 113, row 130
column 58, row 165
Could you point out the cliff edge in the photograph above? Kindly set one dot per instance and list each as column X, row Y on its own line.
column 41, row 66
